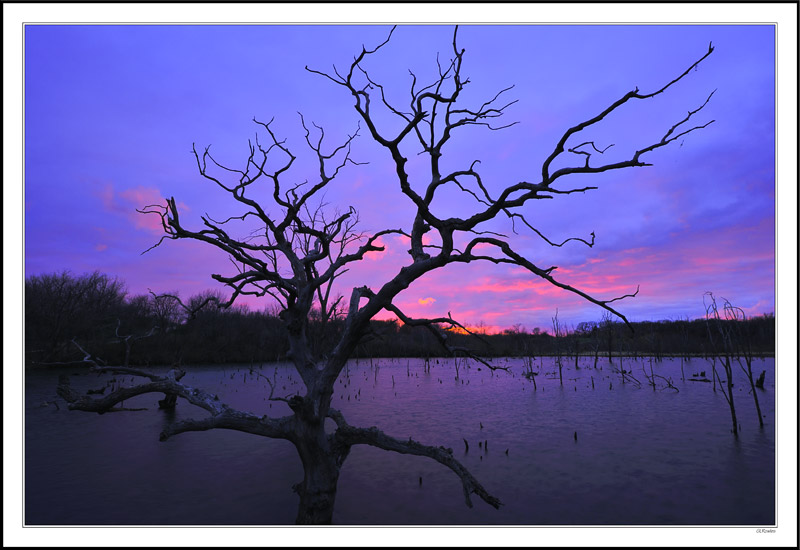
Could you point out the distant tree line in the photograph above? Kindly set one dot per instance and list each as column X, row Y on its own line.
column 95, row 312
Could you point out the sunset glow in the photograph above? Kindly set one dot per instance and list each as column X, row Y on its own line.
column 111, row 113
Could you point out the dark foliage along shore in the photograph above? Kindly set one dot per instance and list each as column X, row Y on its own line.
column 96, row 312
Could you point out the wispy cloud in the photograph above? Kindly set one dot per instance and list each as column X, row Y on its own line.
column 127, row 202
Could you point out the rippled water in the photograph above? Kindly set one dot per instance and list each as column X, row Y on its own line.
column 641, row 457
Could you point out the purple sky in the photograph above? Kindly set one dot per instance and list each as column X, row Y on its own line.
column 700, row 219
column 111, row 113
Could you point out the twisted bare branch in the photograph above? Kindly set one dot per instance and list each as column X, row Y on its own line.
column 347, row 435
column 222, row 416
column 512, row 257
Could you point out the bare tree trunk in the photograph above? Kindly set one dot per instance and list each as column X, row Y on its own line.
column 317, row 491
column 729, row 395
column 295, row 256
column 724, row 349
column 755, row 398
column 169, row 401
column 557, row 336
column 744, row 349
column 714, row 375
column 560, row 376
column 652, row 375
column 321, row 460
column 127, row 361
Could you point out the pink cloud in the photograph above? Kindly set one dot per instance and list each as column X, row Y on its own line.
column 126, row 202
column 138, row 198
column 426, row 301
column 531, row 284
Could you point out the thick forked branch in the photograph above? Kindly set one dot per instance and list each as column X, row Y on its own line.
column 280, row 258
column 346, row 436
column 423, row 122
column 517, row 195
column 634, row 94
column 222, row 416
column 88, row 357
column 230, row 419
column 439, row 99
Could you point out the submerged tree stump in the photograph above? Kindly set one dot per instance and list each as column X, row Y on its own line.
column 169, row 401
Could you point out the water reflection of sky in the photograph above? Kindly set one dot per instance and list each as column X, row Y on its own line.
column 641, row 456
column 112, row 112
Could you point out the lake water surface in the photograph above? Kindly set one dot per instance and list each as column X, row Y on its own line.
column 641, row 457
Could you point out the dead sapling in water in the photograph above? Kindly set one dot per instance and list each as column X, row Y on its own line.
column 720, row 338
column 742, row 342
column 652, row 377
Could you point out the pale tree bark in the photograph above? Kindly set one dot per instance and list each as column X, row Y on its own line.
column 294, row 251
